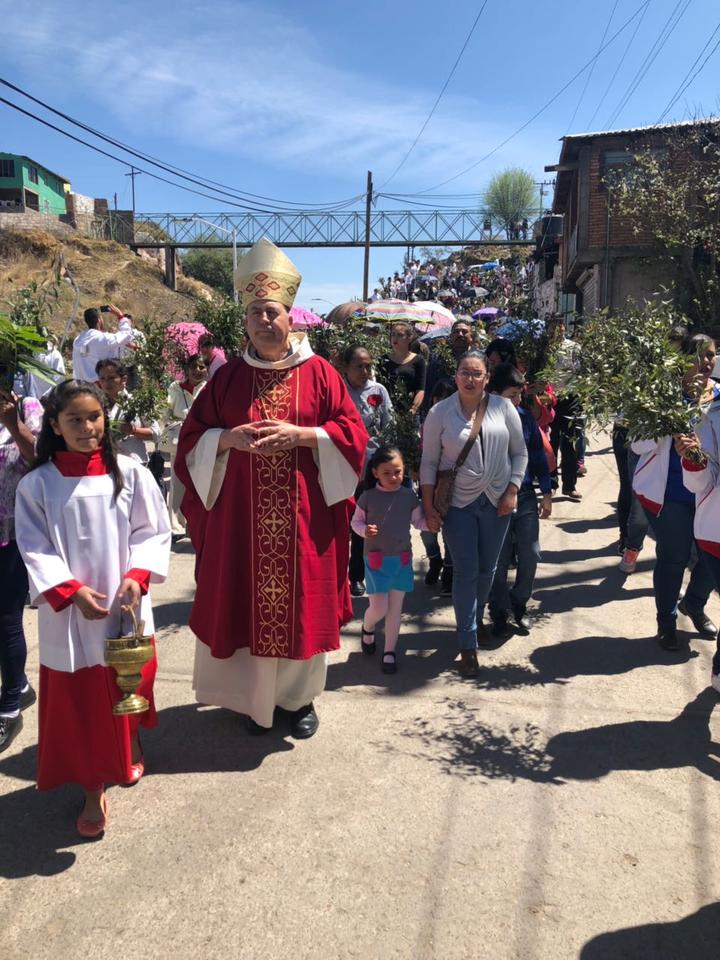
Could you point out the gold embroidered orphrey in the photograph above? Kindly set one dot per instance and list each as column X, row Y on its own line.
column 274, row 497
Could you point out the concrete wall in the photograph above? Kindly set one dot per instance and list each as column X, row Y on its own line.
column 29, row 220
column 633, row 280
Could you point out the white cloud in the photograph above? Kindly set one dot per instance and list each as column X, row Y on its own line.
column 243, row 80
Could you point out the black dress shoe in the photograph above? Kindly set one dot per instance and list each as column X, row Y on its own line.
column 701, row 621
column 304, row 722
column 521, row 619
column 28, row 698
column 357, row 588
column 255, row 729
column 10, row 727
column 667, row 638
column 500, row 628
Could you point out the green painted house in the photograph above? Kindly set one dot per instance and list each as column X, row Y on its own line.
column 26, row 185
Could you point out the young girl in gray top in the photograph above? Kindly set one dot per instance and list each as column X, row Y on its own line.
column 383, row 516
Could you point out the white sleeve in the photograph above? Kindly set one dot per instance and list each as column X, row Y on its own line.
column 207, row 467
column 431, row 447
column 517, row 450
column 359, row 522
column 700, row 481
column 45, row 566
column 336, row 477
column 150, row 532
column 643, row 446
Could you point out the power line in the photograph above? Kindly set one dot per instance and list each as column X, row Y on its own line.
column 170, row 168
column 592, row 69
column 439, row 97
column 685, row 82
column 665, row 33
column 617, row 68
column 155, row 176
column 545, row 106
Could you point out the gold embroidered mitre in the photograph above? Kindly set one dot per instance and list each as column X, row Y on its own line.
column 265, row 273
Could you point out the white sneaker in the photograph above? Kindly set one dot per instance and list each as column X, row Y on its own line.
column 715, row 682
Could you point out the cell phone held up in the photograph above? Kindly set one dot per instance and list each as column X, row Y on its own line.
column 105, row 309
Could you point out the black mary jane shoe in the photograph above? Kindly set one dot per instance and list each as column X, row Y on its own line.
column 368, row 648
column 357, row 588
column 255, row 729
column 389, row 666
column 304, row 722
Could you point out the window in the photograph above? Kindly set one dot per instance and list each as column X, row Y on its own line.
column 33, row 174
column 7, row 169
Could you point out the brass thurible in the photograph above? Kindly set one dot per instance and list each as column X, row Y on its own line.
column 127, row 656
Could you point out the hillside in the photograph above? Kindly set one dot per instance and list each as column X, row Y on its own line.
column 103, row 271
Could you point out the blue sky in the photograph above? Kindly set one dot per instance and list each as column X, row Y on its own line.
column 298, row 100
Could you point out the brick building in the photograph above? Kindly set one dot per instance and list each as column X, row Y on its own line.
column 604, row 261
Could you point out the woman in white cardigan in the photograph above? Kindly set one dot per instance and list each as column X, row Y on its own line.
column 484, row 495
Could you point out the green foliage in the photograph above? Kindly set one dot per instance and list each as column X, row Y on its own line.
column 210, row 266
column 225, row 320
column 674, row 193
column 511, row 196
column 157, row 357
column 18, row 346
column 630, row 368
column 332, row 342
column 34, row 304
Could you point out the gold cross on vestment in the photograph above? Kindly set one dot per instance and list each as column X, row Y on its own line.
column 273, row 590
column 274, row 522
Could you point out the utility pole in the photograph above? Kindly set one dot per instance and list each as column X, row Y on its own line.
column 368, row 208
column 133, row 173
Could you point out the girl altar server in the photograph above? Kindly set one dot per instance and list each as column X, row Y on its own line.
column 383, row 516
column 93, row 531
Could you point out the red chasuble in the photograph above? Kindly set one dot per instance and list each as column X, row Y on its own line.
column 272, row 557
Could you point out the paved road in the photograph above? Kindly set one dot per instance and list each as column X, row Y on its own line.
column 564, row 806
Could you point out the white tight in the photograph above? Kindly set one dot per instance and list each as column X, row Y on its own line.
column 388, row 605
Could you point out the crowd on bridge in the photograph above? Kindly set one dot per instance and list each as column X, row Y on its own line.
column 286, row 480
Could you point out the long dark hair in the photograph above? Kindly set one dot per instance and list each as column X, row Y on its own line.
column 48, row 442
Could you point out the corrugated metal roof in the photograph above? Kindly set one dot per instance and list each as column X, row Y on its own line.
column 705, row 121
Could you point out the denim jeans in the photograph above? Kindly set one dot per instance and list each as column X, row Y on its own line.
column 474, row 535
column 631, row 516
column 714, row 567
column 13, row 651
column 674, row 542
column 523, row 535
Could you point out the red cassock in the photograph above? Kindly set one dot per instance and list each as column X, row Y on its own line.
column 272, row 556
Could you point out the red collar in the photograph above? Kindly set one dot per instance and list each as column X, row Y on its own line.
column 72, row 464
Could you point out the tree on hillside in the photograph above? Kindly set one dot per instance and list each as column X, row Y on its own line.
column 213, row 267
column 510, row 198
column 674, row 192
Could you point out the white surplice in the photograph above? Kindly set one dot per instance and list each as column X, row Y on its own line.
column 71, row 528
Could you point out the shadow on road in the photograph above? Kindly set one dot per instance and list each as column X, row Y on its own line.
column 35, row 826
column 462, row 745
column 695, row 937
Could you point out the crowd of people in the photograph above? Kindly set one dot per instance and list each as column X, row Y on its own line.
column 282, row 475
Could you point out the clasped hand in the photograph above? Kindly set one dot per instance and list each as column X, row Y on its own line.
column 685, row 443
column 265, row 436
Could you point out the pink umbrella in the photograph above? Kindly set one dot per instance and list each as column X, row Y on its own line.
column 302, row 319
column 186, row 335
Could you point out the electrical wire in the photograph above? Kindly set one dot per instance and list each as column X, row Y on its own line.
column 545, row 106
column 170, row 168
column 685, row 82
column 592, row 69
column 602, row 99
column 439, row 98
column 241, row 206
column 665, row 33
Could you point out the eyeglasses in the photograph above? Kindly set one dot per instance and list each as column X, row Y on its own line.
column 470, row 375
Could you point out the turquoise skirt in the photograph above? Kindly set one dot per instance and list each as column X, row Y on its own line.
column 392, row 575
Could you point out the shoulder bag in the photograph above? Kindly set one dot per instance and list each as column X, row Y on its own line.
column 445, row 480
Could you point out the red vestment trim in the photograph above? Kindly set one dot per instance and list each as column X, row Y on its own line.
column 79, row 739
column 73, row 464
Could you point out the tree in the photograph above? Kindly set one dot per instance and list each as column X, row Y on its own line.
column 213, row 267
column 511, row 198
column 673, row 191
